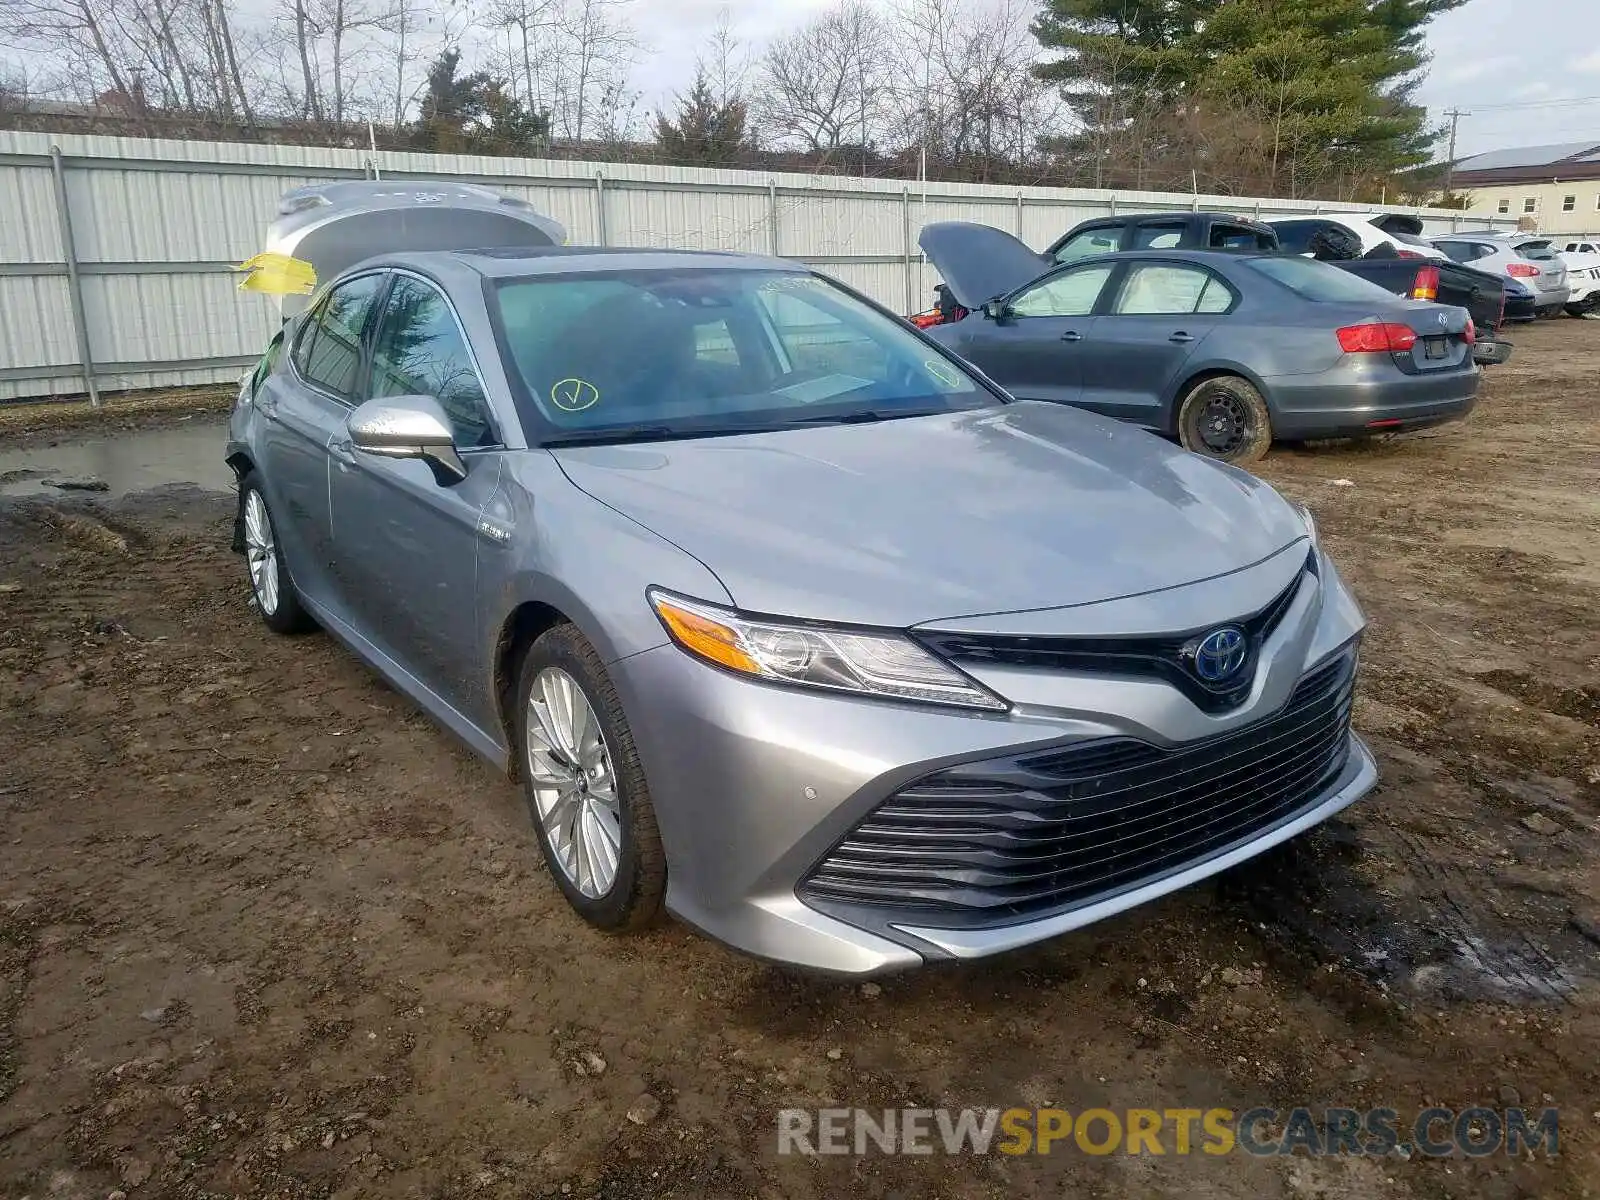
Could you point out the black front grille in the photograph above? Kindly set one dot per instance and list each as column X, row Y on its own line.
column 1167, row 656
column 991, row 842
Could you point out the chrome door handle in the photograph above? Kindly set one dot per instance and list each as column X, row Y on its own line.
column 342, row 453
column 1180, row 337
column 1072, row 335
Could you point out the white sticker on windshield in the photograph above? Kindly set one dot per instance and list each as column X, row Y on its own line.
column 810, row 391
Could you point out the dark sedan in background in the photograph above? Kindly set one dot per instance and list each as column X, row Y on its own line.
column 1227, row 351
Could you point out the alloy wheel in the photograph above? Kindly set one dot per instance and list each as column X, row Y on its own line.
column 261, row 552
column 574, row 786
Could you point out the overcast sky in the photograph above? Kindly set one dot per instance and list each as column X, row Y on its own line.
column 1487, row 53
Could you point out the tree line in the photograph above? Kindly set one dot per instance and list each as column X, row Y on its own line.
column 1290, row 97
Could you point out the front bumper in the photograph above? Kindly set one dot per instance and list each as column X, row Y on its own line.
column 754, row 786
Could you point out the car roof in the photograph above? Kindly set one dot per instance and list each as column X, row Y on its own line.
column 503, row 262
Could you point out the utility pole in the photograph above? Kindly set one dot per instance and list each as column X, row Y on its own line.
column 1455, row 115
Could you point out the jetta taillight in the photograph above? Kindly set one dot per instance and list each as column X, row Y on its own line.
column 1426, row 285
column 1522, row 270
column 1377, row 337
column 1470, row 334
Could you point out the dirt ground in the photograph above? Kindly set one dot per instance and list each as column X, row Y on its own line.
column 267, row 931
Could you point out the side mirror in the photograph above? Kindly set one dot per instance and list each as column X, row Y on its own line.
column 996, row 310
column 408, row 427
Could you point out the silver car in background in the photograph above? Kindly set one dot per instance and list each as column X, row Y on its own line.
column 1528, row 258
column 789, row 623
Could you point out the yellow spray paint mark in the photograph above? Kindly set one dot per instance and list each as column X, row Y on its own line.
column 574, row 395
column 277, row 275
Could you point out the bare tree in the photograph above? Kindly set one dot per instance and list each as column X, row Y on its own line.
column 823, row 86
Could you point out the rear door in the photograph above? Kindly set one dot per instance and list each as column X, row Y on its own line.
column 1033, row 352
column 408, row 546
column 1135, row 353
column 302, row 409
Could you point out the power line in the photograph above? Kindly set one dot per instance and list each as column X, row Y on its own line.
column 1560, row 102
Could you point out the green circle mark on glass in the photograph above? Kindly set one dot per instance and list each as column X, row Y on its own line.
column 574, row 395
column 942, row 372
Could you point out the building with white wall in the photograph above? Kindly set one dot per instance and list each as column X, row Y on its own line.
column 1554, row 189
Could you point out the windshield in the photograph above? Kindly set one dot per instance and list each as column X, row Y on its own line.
column 632, row 355
column 1537, row 251
column 1319, row 281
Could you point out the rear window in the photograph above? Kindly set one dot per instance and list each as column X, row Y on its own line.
column 1295, row 236
column 1238, row 237
column 1318, row 281
column 1537, row 251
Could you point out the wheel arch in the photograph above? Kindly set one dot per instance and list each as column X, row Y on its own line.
column 1195, row 376
column 521, row 627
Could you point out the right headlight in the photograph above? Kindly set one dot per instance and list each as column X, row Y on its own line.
column 819, row 656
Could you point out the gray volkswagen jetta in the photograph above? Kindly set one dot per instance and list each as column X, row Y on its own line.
column 790, row 623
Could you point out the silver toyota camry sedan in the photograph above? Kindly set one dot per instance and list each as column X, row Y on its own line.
column 788, row 622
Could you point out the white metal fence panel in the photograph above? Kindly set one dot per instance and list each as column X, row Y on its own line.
column 115, row 252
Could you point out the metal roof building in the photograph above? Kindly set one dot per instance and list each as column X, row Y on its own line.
column 1530, row 164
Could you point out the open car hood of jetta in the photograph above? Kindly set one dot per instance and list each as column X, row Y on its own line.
column 979, row 262
column 1006, row 509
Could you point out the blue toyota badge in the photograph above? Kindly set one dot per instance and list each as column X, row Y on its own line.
column 1221, row 654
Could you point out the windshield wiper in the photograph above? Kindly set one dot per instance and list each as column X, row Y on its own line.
column 866, row 416
column 648, row 433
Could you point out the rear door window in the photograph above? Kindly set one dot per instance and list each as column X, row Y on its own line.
column 1103, row 239
column 1155, row 289
column 1459, row 251
column 1157, row 235
column 329, row 351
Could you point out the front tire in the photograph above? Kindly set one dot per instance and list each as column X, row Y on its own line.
column 1226, row 418
column 270, row 585
column 585, row 788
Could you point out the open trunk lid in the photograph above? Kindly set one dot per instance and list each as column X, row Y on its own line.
column 333, row 226
column 979, row 262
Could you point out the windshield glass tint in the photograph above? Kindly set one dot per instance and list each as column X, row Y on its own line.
column 1318, row 281
column 705, row 351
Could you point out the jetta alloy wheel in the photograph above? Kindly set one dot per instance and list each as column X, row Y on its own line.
column 574, row 785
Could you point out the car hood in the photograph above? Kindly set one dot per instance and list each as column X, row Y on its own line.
column 979, row 262
column 1014, row 508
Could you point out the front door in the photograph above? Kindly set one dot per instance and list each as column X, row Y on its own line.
column 1139, row 348
column 407, row 545
column 1033, row 351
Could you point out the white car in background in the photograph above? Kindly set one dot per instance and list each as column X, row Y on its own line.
column 1389, row 235
column 1529, row 258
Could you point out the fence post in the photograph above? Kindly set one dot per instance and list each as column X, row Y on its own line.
column 772, row 217
column 1113, row 204
column 905, row 243
column 603, row 234
column 1019, row 217
column 69, row 250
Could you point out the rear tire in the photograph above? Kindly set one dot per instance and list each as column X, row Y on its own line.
column 1226, row 418
column 270, row 585
column 585, row 788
